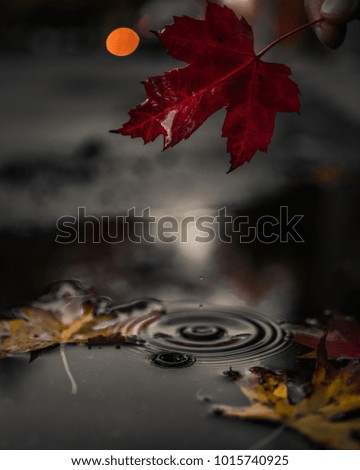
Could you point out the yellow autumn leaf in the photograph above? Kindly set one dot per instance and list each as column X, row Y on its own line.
column 69, row 314
column 328, row 414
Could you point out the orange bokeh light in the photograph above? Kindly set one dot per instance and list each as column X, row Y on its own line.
column 122, row 42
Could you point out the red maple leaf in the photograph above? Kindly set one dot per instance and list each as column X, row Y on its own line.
column 223, row 72
column 342, row 337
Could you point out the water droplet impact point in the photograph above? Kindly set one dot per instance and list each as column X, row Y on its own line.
column 172, row 360
column 202, row 332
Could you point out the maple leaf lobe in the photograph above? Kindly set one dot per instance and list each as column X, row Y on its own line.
column 223, row 71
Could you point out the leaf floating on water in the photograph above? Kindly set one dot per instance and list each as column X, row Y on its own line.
column 327, row 414
column 342, row 337
column 70, row 313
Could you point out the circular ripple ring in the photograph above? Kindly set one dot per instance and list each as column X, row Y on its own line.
column 213, row 335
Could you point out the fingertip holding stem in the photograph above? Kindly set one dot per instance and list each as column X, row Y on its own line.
column 340, row 11
column 329, row 34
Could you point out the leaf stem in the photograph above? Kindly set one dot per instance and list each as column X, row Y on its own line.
column 74, row 387
column 285, row 36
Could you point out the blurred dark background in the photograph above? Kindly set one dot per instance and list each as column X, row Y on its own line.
column 68, row 25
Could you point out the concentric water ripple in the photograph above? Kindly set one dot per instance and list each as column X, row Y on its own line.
column 211, row 335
